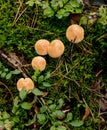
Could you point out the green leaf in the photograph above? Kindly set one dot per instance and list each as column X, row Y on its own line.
column 53, row 128
column 6, row 69
column 46, row 84
column 16, row 71
column 15, row 129
column 23, row 94
column 40, row 79
column 59, row 114
column 69, row 117
column 54, row 5
column 58, row 128
column 36, row 74
column 41, row 118
column 77, row 123
column 12, row 123
column 14, row 109
column 16, row 119
column 0, row 72
column 38, row 2
column 3, row 75
column 26, row 105
column 57, row 123
column 37, row 92
column 52, row 107
column 9, row 75
column 48, row 12
column 43, row 109
column 60, row 103
column 30, row 2
column 1, row 123
column 5, row 115
column 47, row 76
column 16, row 100
column 16, row 105
column 61, row 128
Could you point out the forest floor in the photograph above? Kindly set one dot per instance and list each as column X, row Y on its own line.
column 71, row 93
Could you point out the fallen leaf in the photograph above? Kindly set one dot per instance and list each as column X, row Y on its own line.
column 87, row 112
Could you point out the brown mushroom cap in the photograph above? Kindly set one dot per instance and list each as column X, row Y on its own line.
column 75, row 33
column 38, row 63
column 41, row 46
column 26, row 83
column 56, row 48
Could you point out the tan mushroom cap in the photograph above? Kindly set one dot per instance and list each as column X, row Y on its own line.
column 75, row 33
column 25, row 83
column 56, row 48
column 41, row 46
column 38, row 63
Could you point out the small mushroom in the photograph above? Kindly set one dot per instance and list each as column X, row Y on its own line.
column 56, row 48
column 75, row 33
column 41, row 46
column 25, row 83
column 38, row 63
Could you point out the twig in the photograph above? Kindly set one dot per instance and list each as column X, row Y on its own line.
column 1, row 83
column 35, row 17
column 17, row 12
column 64, row 76
column 14, row 61
column 104, row 35
column 102, row 113
column 98, row 73
column 19, row 16
column 45, row 31
column 89, row 109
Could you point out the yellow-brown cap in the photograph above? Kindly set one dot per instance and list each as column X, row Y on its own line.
column 38, row 63
column 25, row 83
column 75, row 33
column 41, row 46
column 56, row 48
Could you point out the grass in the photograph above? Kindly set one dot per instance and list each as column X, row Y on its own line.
column 73, row 79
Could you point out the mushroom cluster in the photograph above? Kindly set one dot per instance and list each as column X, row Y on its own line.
column 43, row 47
column 55, row 48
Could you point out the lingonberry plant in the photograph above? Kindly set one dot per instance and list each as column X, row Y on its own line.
column 58, row 8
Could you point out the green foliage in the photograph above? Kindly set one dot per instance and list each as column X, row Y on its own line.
column 99, row 17
column 103, row 15
column 41, row 80
column 58, row 8
column 6, row 74
column 51, row 113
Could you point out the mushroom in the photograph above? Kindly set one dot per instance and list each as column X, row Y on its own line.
column 25, row 83
column 41, row 46
column 75, row 33
column 38, row 63
column 56, row 48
